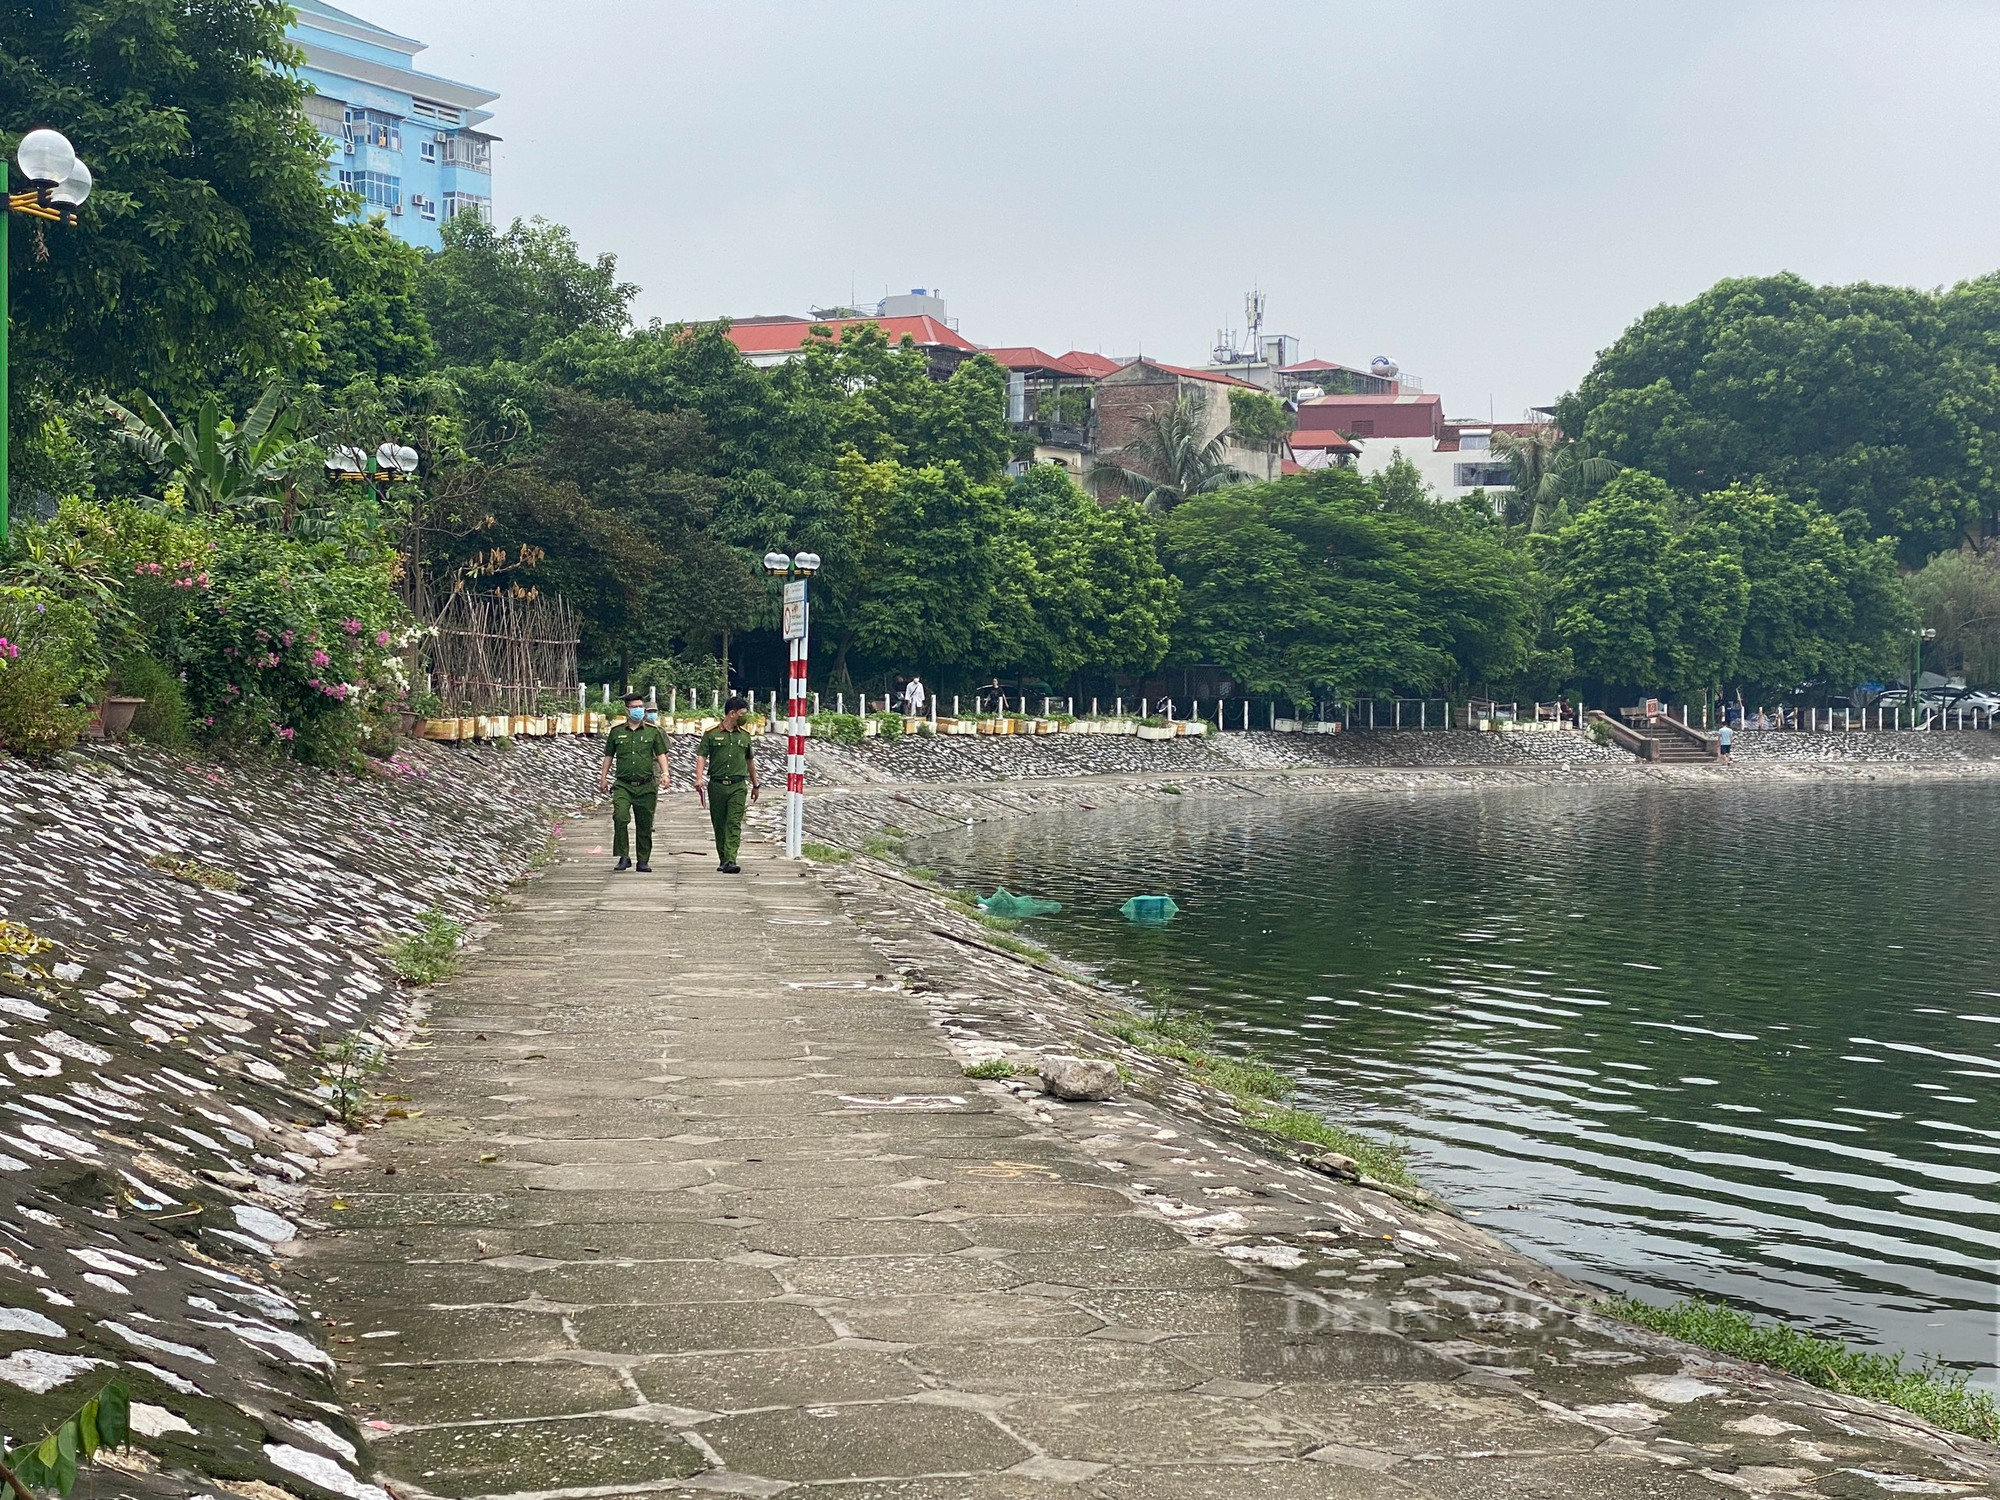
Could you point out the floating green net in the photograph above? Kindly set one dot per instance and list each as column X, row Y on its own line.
column 1150, row 909
column 1004, row 903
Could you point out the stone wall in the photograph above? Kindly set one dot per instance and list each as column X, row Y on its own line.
column 183, row 939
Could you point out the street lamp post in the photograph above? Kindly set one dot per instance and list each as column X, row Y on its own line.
column 1917, row 639
column 795, row 569
column 61, row 183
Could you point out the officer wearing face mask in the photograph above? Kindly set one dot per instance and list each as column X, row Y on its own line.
column 634, row 770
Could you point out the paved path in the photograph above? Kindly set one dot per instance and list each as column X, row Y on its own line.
column 693, row 1196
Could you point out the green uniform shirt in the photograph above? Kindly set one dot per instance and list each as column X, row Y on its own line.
column 631, row 748
column 727, row 753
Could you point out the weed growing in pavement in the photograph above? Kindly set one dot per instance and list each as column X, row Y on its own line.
column 1934, row 1393
column 194, row 872
column 995, row 1067
column 825, row 854
column 345, row 1067
column 430, row 954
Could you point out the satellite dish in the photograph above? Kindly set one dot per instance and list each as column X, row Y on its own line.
column 1383, row 367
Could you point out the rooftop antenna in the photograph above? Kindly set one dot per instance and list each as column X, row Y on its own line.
column 1253, row 314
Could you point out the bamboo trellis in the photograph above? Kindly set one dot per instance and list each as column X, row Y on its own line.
column 501, row 653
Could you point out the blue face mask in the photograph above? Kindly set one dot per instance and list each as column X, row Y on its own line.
column 636, row 712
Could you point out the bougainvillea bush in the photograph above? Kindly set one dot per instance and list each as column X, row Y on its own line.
column 51, row 670
column 277, row 642
column 289, row 642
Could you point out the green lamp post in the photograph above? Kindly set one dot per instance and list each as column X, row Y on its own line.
column 60, row 183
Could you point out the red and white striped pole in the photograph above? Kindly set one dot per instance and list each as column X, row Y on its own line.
column 797, row 624
column 796, row 729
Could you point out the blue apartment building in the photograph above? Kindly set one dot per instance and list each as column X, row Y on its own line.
column 408, row 142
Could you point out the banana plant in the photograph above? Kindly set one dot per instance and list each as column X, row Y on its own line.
column 223, row 466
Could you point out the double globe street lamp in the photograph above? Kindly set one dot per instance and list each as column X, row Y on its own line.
column 391, row 463
column 59, row 184
column 795, row 568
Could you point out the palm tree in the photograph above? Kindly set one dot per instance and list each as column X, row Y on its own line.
column 222, row 465
column 1171, row 458
column 1547, row 469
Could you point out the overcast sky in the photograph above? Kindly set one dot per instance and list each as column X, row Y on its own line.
column 1487, row 192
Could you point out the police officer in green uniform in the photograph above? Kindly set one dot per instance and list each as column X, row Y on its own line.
column 635, row 754
column 724, row 773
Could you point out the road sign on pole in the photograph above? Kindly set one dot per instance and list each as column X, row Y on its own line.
column 795, row 610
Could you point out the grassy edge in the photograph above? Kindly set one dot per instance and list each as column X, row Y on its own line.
column 1941, row 1398
column 430, row 954
column 1263, row 1094
column 1258, row 1090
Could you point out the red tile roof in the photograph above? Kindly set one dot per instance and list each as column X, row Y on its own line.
column 1327, row 439
column 1311, row 366
column 779, row 338
column 1080, row 363
column 1025, row 357
column 1076, row 362
column 1214, row 376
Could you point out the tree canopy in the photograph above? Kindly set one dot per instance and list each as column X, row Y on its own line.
column 209, row 248
column 1884, row 400
column 1310, row 586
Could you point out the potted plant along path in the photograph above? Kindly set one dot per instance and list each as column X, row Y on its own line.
column 1156, row 729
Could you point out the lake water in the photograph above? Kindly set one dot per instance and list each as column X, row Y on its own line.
column 1736, row 1042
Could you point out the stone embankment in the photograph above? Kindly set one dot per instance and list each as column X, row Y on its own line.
column 681, row 1186
column 182, row 940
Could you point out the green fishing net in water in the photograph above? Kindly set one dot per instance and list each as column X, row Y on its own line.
column 1004, row 903
column 1150, row 909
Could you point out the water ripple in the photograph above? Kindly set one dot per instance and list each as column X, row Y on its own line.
column 1782, row 996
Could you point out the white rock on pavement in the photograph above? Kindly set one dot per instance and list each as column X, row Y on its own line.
column 1079, row 1077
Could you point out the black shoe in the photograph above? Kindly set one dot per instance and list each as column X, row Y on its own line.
column 623, row 863
column 645, row 868
column 732, row 868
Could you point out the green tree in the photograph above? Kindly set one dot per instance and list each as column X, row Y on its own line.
column 1079, row 586
column 203, row 254
column 374, row 326
column 1546, row 471
column 1878, row 399
column 1823, row 607
column 1307, row 586
column 1172, row 457
column 493, row 294
column 1958, row 595
column 1640, row 609
column 1257, row 420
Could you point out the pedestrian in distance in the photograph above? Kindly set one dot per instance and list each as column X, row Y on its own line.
column 633, row 770
column 725, row 775
column 913, row 697
column 1723, row 737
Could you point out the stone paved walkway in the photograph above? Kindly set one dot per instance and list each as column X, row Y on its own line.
column 693, row 1196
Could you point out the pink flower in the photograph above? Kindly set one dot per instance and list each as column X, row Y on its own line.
column 285, row 732
column 312, row 682
column 286, row 638
column 352, row 627
column 320, row 658
column 381, row 637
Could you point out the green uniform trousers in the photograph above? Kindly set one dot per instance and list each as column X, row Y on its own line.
column 726, row 803
column 633, row 802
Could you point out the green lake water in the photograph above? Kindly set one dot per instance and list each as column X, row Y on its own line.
column 1737, row 1042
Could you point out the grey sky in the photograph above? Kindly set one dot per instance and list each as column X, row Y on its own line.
column 1487, row 192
